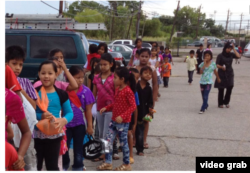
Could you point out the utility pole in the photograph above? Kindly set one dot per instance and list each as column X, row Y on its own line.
column 113, row 19
column 60, row 7
column 110, row 21
column 143, row 26
column 177, row 9
column 240, row 27
column 227, row 23
column 138, row 21
column 197, row 29
column 130, row 24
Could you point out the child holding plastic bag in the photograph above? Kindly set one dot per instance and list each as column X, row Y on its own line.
column 81, row 101
column 124, row 105
column 48, row 131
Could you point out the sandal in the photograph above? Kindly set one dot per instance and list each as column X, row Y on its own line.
column 105, row 166
column 227, row 106
column 146, row 145
column 123, row 168
column 221, row 106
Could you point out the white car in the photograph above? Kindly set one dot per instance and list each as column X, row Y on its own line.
column 247, row 51
column 122, row 42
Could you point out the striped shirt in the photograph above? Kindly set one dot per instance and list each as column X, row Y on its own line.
column 105, row 91
column 27, row 87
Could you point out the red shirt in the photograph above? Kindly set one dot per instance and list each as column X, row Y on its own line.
column 11, row 81
column 10, row 157
column 89, row 57
column 124, row 104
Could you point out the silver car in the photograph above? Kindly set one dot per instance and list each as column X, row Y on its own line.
column 247, row 51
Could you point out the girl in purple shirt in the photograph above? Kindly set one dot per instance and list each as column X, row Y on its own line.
column 81, row 101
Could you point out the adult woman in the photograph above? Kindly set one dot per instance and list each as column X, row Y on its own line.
column 134, row 61
column 224, row 64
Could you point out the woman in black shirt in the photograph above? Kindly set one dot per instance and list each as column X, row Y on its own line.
column 226, row 73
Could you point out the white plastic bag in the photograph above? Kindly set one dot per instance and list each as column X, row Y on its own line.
column 94, row 110
column 30, row 115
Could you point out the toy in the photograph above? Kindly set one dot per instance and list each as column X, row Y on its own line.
column 149, row 116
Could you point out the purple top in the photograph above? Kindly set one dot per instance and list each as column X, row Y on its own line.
column 27, row 87
column 167, row 55
column 86, row 97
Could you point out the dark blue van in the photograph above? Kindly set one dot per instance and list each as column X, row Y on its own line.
column 38, row 43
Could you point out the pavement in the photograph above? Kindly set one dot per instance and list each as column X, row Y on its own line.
column 178, row 133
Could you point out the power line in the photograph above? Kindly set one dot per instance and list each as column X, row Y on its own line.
column 49, row 5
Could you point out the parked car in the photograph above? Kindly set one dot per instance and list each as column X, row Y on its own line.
column 118, row 57
column 196, row 43
column 38, row 43
column 124, row 50
column 130, row 46
column 146, row 45
column 84, row 42
column 122, row 42
column 247, row 51
column 96, row 42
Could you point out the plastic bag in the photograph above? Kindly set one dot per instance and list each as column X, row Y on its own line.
column 30, row 115
column 93, row 149
column 94, row 110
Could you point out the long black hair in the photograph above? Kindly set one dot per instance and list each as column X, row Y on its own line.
column 47, row 62
column 105, row 47
column 74, row 70
column 110, row 59
column 129, row 78
column 145, row 50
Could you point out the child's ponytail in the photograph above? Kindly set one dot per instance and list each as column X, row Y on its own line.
column 129, row 78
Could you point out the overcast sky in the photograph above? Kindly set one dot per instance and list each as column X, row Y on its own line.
column 161, row 7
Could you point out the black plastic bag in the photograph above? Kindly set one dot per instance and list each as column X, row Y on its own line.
column 93, row 149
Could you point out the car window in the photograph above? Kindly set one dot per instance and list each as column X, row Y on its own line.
column 118, row 48
column 126, row 42
column 117, row 42
column 248, row 46
column 41, row 45
column 18, row 40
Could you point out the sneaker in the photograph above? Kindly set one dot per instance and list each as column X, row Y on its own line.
column 116, row 156
column 206, row 108
column 201, row 112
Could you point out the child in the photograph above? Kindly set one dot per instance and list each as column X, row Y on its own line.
column 104, row 91
column 161, row 50
column 191, row 66
column 135, row 61
column 123, row 106
column 95, row 70
column 207, row 68
column 166, row 72
column 102, row 48
column 72, row 85
column 58, row 53
column 132, row 124
column 168, row 54
column 15, row 114
column 155, row 61
column 76, row 128
column 144, row 58
column 209, row 47
column 93, row 53
column 15, row 57
column 48, row 146
column 146, row 102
